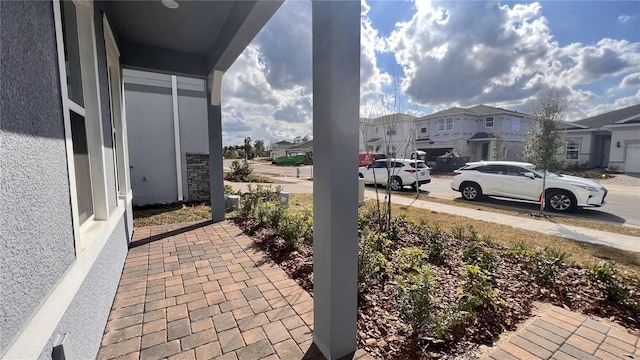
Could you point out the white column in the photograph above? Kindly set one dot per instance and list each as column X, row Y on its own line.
column 176, row 134
column 214, row 115
column 336, row 98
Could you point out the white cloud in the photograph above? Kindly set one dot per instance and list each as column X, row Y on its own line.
column 467, row 53
column 626, row 18
column 631, row 80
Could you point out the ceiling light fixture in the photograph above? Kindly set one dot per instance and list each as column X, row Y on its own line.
column 171, row 4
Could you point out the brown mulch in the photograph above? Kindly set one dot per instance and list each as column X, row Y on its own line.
column 383, row 334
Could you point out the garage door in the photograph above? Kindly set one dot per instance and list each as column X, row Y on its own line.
column 632, row 162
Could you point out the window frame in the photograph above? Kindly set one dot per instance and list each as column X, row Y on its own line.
column 87, row 230
column 486, row 121
column 573, row 146
column 445, row 124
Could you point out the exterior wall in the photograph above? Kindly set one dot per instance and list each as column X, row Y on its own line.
column 37, row 244
column 584, row 155
column 49, row 287
column 86, row 317
column 194, row 130
column 198, row 186
column 151, row 133
column 626, row 135
column 401, row 140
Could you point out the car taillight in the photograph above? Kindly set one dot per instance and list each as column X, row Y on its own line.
column 456, row 173
column 410, row 171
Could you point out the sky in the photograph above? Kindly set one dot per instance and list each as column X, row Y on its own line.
column 419, row 57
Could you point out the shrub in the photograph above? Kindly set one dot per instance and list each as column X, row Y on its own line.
column 416, row 299
column 239, row 171
column 372, row 265
column 378, row 241
column 410, row 261
column 542, row 264
column 270, row 214
column 461, row 232
column 475, row 253
column 254, row 197
column 293, row 225
column 435, row 237
column 604, row 277
column 229, row 190
column 476, row 291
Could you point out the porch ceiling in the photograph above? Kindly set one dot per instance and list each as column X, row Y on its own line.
column 194, row 39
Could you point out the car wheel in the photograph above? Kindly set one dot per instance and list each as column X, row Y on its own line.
column 396, row 183
column 470, row 191
column 560, row 201
column 414, row 187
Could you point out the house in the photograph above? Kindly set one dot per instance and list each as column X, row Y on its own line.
column 66, row 185
column 390, row 134
column 480, row 132
column 167, row 118
column 608, row 140
column 300, row 148
column 279, row 149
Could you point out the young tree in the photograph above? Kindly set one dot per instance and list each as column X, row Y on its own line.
column 259, row 148
column 548, row 109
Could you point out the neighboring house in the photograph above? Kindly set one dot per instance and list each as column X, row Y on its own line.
column 480, row 132
column 300, row 148
column 390, row 134
column 279, row 149
column 166, row 120
column 609, row 140
column 65, row 183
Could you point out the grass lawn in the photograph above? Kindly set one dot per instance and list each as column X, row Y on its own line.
column 580, row 253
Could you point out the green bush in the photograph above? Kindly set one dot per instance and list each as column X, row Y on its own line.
column 254, row 197
column 542, row 264
column 373, row 266
column 475, row 253
column 229, row 190
column 239, row 171
column 410, row 261
column 416, row 297
column 270, row 214
column 293, row 225
column 604, row 277
column 476, row 292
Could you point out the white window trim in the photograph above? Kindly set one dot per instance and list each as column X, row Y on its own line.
column 83, row 235
column 486, row 123
column 122, row 157
column 445, row 123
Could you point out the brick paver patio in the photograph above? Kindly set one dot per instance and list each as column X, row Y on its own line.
column 203, row 291
column 561, row 334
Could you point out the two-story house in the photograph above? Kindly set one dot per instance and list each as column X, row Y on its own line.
column 480, row 132
column 390, row 134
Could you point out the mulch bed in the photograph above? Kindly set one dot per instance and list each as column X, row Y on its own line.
column 383, row 334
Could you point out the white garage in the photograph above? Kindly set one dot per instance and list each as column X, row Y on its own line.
column 632, row 159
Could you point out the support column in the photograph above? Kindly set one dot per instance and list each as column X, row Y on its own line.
column 214, row 115
column 336, row 99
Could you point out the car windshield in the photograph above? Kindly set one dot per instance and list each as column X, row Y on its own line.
column 540, row 173
column 421, row 165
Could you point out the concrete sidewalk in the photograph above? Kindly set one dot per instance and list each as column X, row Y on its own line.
column 619, row 241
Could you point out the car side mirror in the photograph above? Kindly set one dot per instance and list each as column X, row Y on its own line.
column 530, row 175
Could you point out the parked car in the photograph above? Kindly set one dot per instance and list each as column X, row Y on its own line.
column 366, row 158
column 520, row 180
column 403, row 172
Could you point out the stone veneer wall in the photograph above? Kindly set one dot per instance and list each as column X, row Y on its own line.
column 198, row 187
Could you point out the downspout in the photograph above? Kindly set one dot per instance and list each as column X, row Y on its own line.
column 176, row 135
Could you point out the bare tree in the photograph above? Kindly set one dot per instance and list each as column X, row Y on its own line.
column 549, row 108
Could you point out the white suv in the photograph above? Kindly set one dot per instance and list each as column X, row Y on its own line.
column 519, row 180
column 403, row 172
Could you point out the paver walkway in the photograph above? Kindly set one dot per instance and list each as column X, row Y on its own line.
column 561, row 334
column 203, row 291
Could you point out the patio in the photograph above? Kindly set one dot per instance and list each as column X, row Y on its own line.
column 202, row 291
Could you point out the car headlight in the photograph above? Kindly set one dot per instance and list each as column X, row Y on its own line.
column 589, row 188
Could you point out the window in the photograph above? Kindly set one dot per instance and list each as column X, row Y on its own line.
column 573, row 149
column 488, row 122
column 445, row 124
column 423, row 130
column 391, row 132
column 77, row 61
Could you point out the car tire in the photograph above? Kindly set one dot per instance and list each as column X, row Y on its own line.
column 470, row 191
column 361, row 176
column 560, row 201
column 396, row 183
